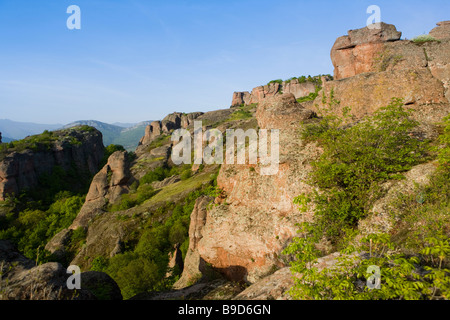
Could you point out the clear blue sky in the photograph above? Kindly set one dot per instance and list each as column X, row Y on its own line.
column 137, row 60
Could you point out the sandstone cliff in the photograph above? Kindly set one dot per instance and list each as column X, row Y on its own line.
column 294, row 86
column 372, row 66
column 171, row 122
column 22, row 166
column 243, row 235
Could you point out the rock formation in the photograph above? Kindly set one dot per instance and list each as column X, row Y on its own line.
column 298, row 89
column 108, row 185
column 442, row 31
column 243, row 235
column 355, row 53
column 373, row 66
column 193, row 264
column 20, row 170
column 21, row 279
column 171, row 122
column 175, row 261
column 0, row 137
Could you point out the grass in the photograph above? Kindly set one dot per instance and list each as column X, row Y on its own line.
column 184, row 186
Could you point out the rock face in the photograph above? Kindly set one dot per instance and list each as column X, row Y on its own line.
column 242, row 236
column 107, row 186
column 175, row 260
column 298, row 89
column 21, row 279
column 381, row 220
column 171, row 122
column 193, row 263
column 240, row 98
column 355, row 53
column 373, row 66
column 22, row 169
column 275, row 286
column 442, row 31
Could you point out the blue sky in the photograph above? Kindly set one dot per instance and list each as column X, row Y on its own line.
column 136, row 60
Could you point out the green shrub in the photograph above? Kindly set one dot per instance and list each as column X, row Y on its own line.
column 31, row 229
column 424, row 38
column 400, row 276
column 186, row 174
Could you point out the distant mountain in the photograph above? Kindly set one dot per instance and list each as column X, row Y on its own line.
column 128, row 137
column 6, row 139
column 14, row 130
column 110, row 132
column 124, row 124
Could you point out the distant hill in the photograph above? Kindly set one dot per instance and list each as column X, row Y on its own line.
column 14, row 130
column 6, row 139
column 124, row 124
column 128, row 137
column 125, row 134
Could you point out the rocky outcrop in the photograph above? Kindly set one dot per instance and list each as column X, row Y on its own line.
column 194, row 266
column 107, row 186
column 243, row 235
column 67, row 149
column 171, row 122
column 372, row 66
column 355, row 53
column 276, row 285
column 151, row 132
column 294, row 86
column 0, row 137
column 381, row 220
column 442, row 31
column 175, row 261
column 240, row 98
column 21, row 279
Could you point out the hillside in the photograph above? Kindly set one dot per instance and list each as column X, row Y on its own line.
column 359, row 193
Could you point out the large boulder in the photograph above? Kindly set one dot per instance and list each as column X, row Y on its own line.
column 442, row 31
column 22, row 279
column 356, row 53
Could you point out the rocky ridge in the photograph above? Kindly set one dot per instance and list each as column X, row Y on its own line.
column 294, row 86
column 21, row 168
